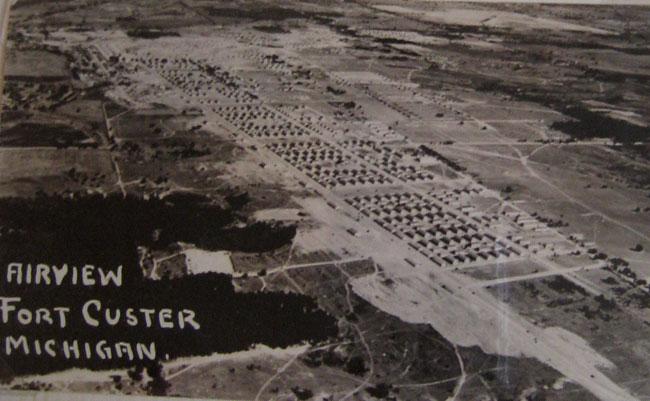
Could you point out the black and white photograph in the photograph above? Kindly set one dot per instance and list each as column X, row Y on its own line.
column 327, row 200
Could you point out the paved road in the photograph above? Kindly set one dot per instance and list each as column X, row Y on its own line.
column 304, row 265
column 546, row 273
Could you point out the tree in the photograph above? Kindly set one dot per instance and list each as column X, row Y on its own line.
column 158, row 385
column 637, row 248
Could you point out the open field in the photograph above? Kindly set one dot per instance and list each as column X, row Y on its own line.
column 36, row 64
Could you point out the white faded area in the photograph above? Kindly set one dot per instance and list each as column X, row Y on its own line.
column 257, row 351
column 199, row 261
column 460, row 325
column 416, row 301
column 467, row 319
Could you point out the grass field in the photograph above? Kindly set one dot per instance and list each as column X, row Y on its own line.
column 36, row 63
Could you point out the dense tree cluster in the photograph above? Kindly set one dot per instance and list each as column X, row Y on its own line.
column 105, row 232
